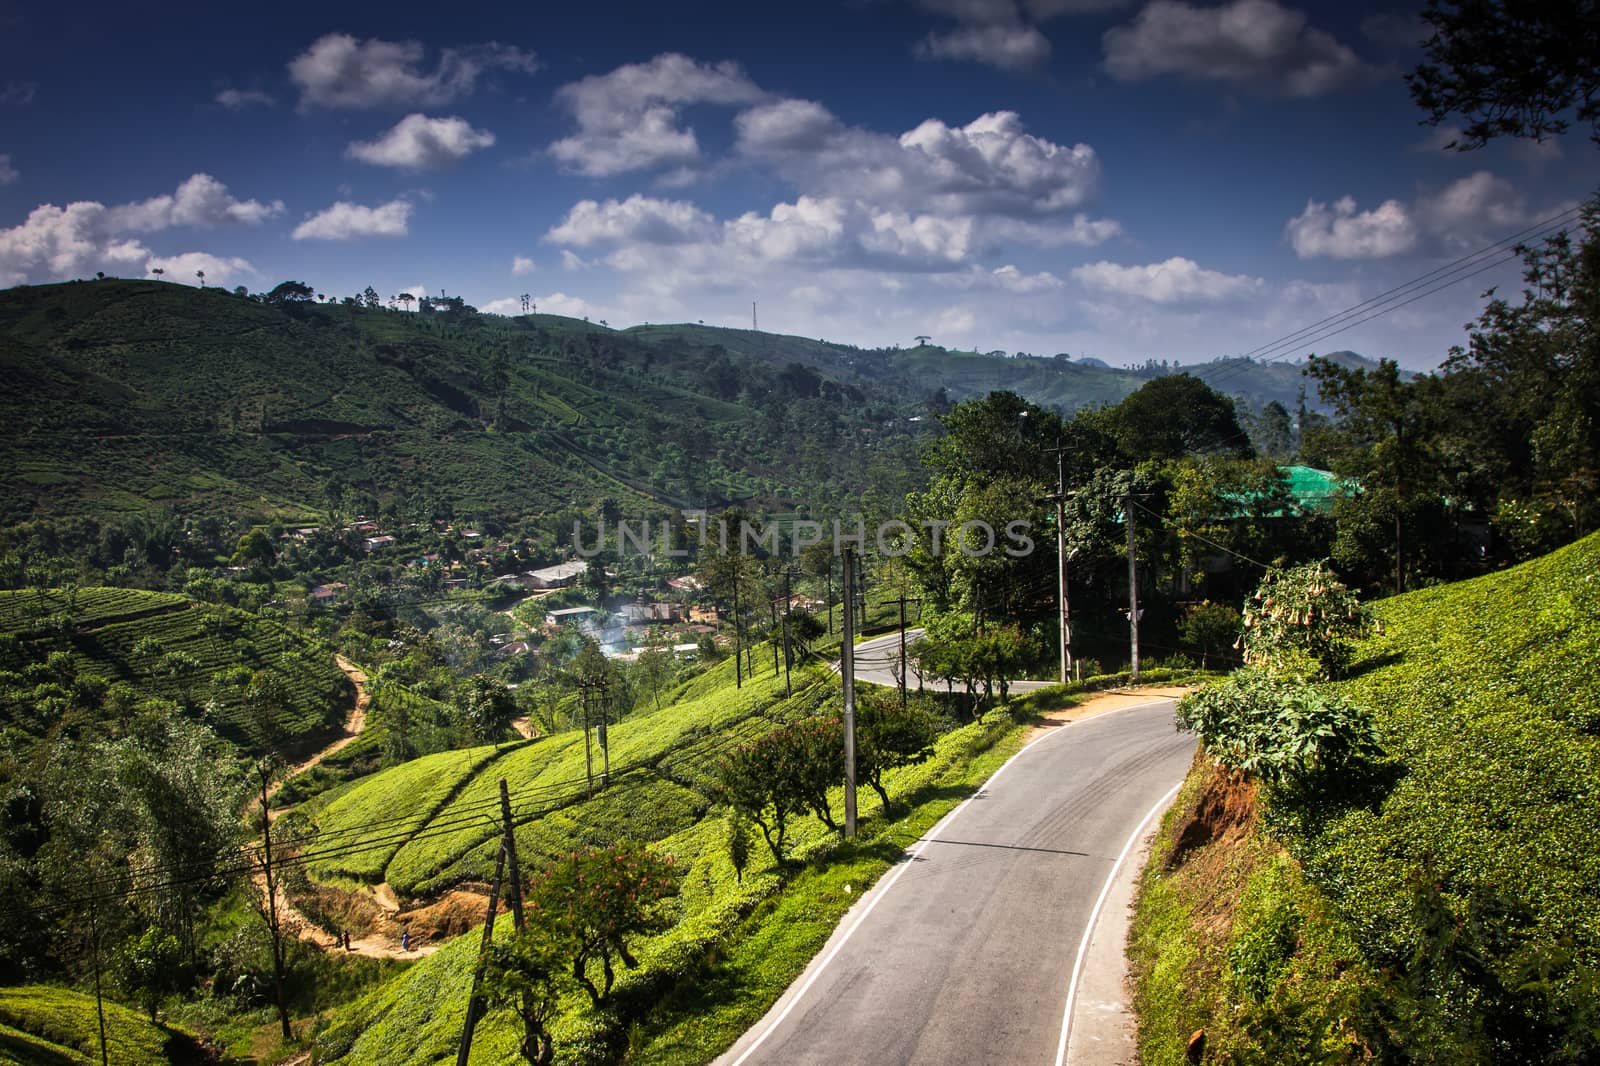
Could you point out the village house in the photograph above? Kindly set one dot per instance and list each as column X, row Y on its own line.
column 329, row 592
column 374, row 543
column 560, row 576
column 572, row 616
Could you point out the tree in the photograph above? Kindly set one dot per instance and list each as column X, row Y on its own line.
column 150, row 967
column 406, row 299
column 816, row 763
column 1388, row 415
column 287, row 293
column 591, row 902
column 889, row 736
column 1510, row 69
column 1172, row 416
column 524, row 975
column 1209, row 627
column 738, row 843
column 487, row 709
column 159, row 272
column 758, row 781
column 201, row 274
column 370, row 298
column 655, row 668
column 1303, row 621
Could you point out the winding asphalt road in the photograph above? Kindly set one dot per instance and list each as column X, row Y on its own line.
column 963, row 954
column 878, row 659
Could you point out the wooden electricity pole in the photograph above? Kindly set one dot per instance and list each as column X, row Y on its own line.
column 1064, row 621
column 847, row 671
column 474, row 998
column 1133, row 587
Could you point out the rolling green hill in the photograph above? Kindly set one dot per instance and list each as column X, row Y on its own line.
column 44, row 1026
column 1443, row 912
column 736, row 943
column 661, row 764
column 128, row 396
column 72, row 660
column 136, row 396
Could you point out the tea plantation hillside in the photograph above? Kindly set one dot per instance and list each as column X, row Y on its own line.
column 83, row 660
column 661, row 775
column 1439, row 908
column 734, row 942
column 45, row 1026
column 129, row 396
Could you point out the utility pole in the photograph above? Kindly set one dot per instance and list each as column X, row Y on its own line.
column 1133, row 586
column 264, row 771
column 99, row 996
column 902, row 601
column 788, row 610
column 830, row 595
column 600, row 732
column 753, row 326
column 772, row 614
column 514, row 880
column 514, row 894
column 474, row 999
column 738, row 680
column 1065, row 620
column 847, row 671
column 588, row 757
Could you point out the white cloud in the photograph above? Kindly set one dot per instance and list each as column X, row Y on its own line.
column 638, row 218
column 1080, row 230
column 345, row 221
column 64, row 242
column 629, row 119
column 1177, row 280
column 989, row 166
column 1242, row 42
column 1006, row 47
column 219, row 270
column 572, row 262
column 505, row 305
column 239, row 99
column 559, row 303
column 1011, row 279
column 1478, row 205
column 200, row 201
column 1342, row 232
column 8, row 173
column 340, row 71
column 418, row 142
column 83, row 237
column 521, row 264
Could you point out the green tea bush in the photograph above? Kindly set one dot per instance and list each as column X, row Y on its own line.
column 1278, row 730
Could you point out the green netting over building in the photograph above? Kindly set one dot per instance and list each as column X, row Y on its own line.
column 1311, row 491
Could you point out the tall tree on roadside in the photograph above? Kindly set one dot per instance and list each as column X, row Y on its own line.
column 1510, row 69
column 1388, row 416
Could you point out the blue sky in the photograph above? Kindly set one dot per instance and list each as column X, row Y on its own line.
column 1146, row 178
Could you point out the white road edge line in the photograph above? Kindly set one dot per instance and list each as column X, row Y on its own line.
column 1094, row 917
column 905, row 864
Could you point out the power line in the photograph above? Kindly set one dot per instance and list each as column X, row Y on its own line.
column 1460, row 269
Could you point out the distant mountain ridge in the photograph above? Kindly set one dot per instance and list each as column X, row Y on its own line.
column 135, row 396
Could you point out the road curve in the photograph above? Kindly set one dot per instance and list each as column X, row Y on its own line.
column 964, row 952
column 878, row 663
